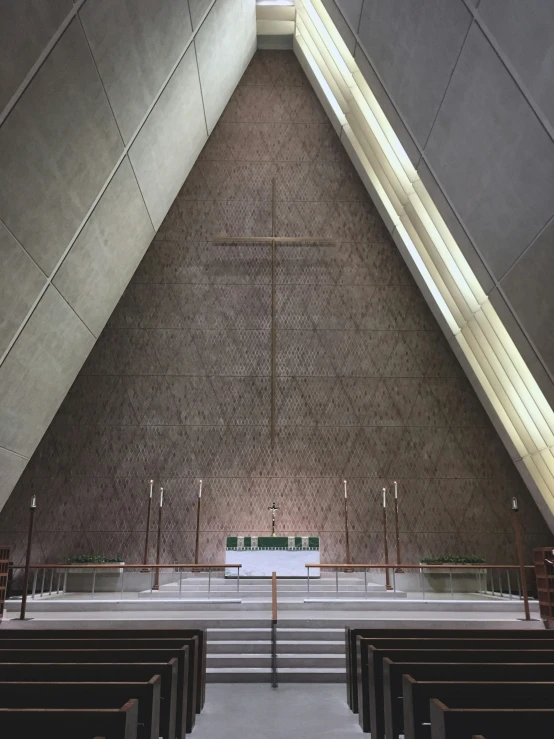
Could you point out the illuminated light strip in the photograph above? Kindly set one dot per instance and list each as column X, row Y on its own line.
column 507, row 382
column 380, row 188
column 388, row 149
column 338, row 59
column 378, row 165
column 323, row 82
column 374, row 151
column 538, row 400
column 452, row 287
column 323, row 59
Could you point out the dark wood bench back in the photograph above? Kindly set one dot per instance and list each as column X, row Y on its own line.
column 186, row 703
column 89, row 695
column 417, row 696
column 118, row 672
column 115, row 632
column 514, row 723
column 54, row 723
column 352, row 632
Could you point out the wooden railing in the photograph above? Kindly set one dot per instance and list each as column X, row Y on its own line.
column 62, row 569
column 449, row 569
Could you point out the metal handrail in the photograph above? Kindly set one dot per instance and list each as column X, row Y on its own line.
column 65, row 568
column 174, row 565
column 482, row 566
column 274, row 682
column 523, row 594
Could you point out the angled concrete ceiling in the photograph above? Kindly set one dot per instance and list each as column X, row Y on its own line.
column 104, row 107
column 446, row 114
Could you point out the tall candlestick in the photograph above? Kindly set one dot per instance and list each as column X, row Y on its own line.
column 147, row 537
column 387, row 576
column 196, row 548
column 519, row 546
column 348, row 559
column 398, row 557
column 32, row 509
column 156, row 585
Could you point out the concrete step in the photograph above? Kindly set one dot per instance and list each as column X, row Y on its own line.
column 241, row 661
column 284, row 675
column 243, row 633
column 283, row 647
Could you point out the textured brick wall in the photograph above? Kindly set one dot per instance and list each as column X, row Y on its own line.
column 178, row 385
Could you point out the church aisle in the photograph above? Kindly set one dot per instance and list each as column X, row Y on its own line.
column 300, row 711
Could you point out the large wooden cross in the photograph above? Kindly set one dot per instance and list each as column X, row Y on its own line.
column 273, row 241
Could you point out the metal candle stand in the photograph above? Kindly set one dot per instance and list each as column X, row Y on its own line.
column 32, row 510
column 147, row 540
column 156, row 585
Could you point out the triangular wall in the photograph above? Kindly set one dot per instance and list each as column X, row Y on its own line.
column 178, row 385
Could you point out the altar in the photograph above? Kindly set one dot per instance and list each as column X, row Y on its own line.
column 262, row 555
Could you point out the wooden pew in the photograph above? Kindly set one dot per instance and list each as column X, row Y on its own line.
column 91, row 696
column 123, row 633
column 118, row 672
column 496, row 723
column 467, row 641
column 423, row 640
column 352, row 633
column 373, row 720
column 185, row 716
column 393, row 673
column 417, row 697
column 124, row 643
column 62, row 723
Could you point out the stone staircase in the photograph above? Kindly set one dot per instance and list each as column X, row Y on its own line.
column 305, row 653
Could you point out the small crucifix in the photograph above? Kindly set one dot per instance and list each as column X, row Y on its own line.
column 273, row 508
column 273, row 241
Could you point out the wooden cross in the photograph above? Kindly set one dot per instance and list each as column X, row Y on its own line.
column 273, row 240
column 272, row 508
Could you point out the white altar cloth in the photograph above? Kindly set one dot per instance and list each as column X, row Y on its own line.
column 262, row 562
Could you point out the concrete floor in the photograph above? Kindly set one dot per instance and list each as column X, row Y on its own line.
column 290, row 711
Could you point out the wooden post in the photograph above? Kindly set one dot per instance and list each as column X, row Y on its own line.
column 398, row 556
column 387, row 575
column 348, row 558
column 197, row 545
column 149, row 516
column 32, row 510
column 156, row 585
column 519, row 545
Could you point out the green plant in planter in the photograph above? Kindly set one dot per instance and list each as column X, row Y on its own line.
column 91, row 559
column 448, row 560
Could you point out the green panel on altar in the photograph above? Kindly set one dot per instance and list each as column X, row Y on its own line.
column 242, row 543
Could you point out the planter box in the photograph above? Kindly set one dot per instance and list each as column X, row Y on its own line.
column 79, row 580
column 462, row 582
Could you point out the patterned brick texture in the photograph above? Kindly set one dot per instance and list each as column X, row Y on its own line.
column 178, row 385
